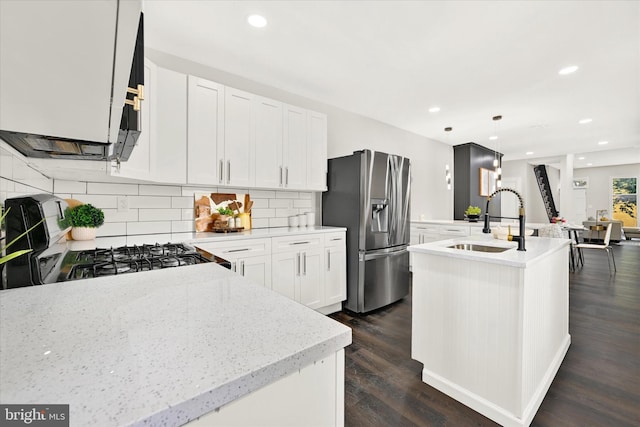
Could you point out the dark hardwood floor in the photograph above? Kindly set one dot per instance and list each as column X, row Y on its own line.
column 598, row 383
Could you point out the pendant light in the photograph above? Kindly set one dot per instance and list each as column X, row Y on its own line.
column 497, row 160
column 447, row 170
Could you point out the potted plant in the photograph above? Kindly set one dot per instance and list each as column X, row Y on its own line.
column 84, row 219
column 472, row 213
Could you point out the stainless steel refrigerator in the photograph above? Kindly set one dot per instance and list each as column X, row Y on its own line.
column 369, row 194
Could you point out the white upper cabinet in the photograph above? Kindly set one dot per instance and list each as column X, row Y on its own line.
column 139, row 164
column 295, row 147
column 205, row 131
column 268, row 144
column 238, row 158
column 317, row 151
column 169, row 154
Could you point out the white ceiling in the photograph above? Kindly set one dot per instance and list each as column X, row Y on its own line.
column 393, row 60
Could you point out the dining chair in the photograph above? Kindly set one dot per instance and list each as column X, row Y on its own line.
column 606, row 247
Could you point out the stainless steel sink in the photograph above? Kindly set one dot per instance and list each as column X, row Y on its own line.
column 478, row 248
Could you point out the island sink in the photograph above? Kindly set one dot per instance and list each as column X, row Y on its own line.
column 478, row 248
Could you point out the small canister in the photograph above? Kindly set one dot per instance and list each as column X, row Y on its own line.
column 245, row 218
column 230, row 222
column 238, row 222
column 302, row 220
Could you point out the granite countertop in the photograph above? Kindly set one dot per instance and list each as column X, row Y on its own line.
column 536, row 248
column 153, row 348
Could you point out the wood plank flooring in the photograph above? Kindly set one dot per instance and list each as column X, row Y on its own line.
column 598, row 383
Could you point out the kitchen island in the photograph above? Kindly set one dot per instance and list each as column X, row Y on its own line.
column 166, row 347
column 491, row 328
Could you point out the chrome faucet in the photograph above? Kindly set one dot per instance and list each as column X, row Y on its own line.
column 487, row 218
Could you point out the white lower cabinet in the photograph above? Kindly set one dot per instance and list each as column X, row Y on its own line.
column 250, row 258
column 310, row 396
column 298, row 268
column 335, row 290
column 308, row 268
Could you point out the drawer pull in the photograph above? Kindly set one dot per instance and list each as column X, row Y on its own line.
column 239, row 250
column 299, row 243
column 336, row 238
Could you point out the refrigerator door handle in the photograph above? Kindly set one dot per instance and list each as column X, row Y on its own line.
column 378, row 255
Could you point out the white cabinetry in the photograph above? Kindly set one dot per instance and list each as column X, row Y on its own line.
column 169, row 154
column 205, row 131
column 308, row 268
column 250, row 258
column 298, row 268
column 238, row 157
column 432, row 232
column 159, row 154
column 295, row 147
column 317, row 151
column 138, row 165
column 335, row 268
column 312, row 395
column 268, row 144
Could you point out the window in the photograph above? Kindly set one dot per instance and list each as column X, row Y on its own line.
column 625, row 200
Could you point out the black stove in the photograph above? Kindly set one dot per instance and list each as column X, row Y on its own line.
column 129, row 259
column 50, row 262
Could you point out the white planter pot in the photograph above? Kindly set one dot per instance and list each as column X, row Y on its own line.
column 83, row 233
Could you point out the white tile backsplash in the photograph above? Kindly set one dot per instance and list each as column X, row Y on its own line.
column 149, row 209
column 280, row 203
column 160, row 214
column 111, row 188
column 149, row 202
column 182, row 202
column 302, row 203
column 278, row 222
column 148, row 227
column 181, row 226
column 99, row 201
column 112, row 229
column 62, row 186
column 262, row 213
column 113, row 215
column 159, row 190
column 287, row 195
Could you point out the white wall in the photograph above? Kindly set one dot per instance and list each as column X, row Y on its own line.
column 599, row 192
column 348, row 132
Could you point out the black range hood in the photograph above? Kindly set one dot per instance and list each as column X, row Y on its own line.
column 116, row 145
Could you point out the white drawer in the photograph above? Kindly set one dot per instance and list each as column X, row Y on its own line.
column 335, row 239
column 452, row 230
column 232, row 249
column 297, row 242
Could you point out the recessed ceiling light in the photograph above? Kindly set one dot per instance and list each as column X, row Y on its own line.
column 585, row 121
column 589, row 164
column 493, row 138
column 581, row 158
column 434, row 109
column 528, row 153
column 568, row 70
column 257, row 21
column 603, row 142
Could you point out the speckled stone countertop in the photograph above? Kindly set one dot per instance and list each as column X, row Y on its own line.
column 153, row 348
column 536, row 248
